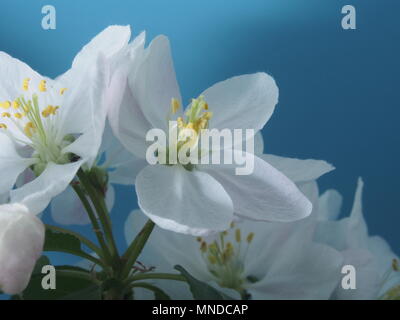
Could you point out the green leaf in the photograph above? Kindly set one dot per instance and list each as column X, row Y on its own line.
column 158, row 293
column 72, row 283
column 64, row 242
column 201, row 290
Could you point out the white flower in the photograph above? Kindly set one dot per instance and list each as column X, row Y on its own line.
column 265, row 260
column 52, row 126
column 370, row 255
column 201, row 199
column 21, row 244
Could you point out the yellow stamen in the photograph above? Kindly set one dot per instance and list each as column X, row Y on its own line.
column 29, row 129
column 15, row 104
column 175, row 105
column 5, row 105
column 50, row 110
column 42, row 86
column 207, row 115
column 62, row 90
column 238, row 235
column 18, row 115
column 250, row 237
column 6, row 115
column 3, row 126
column 25, row 84
column 212, row 259
column 206, row 106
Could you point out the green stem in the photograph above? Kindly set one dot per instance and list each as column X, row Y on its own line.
column 102, row 212
column 95, row 223
column 136, row 247
column 163, row 276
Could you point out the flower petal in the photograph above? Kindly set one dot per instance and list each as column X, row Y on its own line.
column 182, row 201
column 154, row 84
column 350, row 232
column 126, row 118
column 109, row 42
column 298, row 170
column 303, row 272
column 11, row 164
column 86, row 113
column 21, row 244
column 242, row 102
column 329, row 204
column 16, row 71
column 66, row 209
column 266, row 194
column 37, row 194
column 368, row 280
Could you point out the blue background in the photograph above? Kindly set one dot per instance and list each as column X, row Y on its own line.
column 338, row 89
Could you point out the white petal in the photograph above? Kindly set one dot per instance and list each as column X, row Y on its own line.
column 298, row 170
column 121, row 64
column 368, row 280
column 126, row 118
column 347, row 233
column 66, row 209
column 11, row 164
column 107, row 43
column 37, row 194
column 384, row 256
column 258, row 144
column 330, row 204
column 182, row 201
column 154, row 84
column 21, row 244
column 243, row 102
column 292, row 266
column 123, row 166
column 85, row 113
column 302, row 272
column 16, row 71
column 266, row 194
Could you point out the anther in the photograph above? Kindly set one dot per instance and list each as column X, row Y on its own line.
column 250, row 237
column 25, row 84
column 42, row 86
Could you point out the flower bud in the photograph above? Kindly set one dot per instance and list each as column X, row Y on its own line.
column 21, row 244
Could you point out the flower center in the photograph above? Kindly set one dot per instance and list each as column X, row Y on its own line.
column 225, row 258
column 188, row 128
column 37, row 125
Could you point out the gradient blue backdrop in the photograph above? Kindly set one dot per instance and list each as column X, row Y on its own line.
column 338, row 89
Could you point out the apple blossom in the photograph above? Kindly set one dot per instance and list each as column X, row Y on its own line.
column 201, row 199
